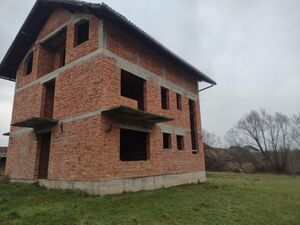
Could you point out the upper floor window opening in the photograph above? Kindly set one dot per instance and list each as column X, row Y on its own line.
column 81, row 32
column 164, row 98
column 29, row 64
column 178, row 101
column 132, row 87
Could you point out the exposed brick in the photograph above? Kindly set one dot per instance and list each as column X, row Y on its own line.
column 74, row 52
column 120, row 43
column 88, row 148
column 57, row 19
column 150, row 60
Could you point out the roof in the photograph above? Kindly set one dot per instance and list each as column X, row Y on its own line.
column 40, row 13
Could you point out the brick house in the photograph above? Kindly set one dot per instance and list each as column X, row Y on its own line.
column 99, row 105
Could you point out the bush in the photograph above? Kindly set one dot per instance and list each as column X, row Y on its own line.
column 237, row 159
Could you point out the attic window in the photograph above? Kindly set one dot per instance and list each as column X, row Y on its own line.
column 29, row 63
column 81, row 32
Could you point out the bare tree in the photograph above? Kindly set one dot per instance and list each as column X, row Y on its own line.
column 235, row 138
column 211, row 139
column 296, row 123
column 271, row 134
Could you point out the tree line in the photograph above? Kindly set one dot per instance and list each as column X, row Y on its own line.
column 271, row 140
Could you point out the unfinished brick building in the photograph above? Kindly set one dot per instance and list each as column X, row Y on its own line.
column 99, row 105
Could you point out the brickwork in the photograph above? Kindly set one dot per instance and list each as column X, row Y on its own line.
column 121, row 43
column 74, row 52
column 57, row 19
column 88, row 148
column 21, row 157
column 27, row 103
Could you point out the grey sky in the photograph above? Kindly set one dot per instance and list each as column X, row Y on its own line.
column 251, row 48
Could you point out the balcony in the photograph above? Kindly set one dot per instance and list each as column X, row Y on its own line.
column 37, row 123
column 127, row 114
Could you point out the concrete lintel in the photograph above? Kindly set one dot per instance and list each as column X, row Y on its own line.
column 134, row 127
column 173, row 129
column 126, row 65
column 76, row 17
column 118, row 186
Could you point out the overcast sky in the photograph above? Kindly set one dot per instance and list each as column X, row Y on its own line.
column 250, row 48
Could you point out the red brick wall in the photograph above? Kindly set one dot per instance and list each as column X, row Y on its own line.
column 121, row 43
column 43, row 61
column 57, row 19
column 27, row 103
column 21, row 157
column 75, row 52
column 89, row 148
column 151, row 60
column 78, row 89
column 79, row 153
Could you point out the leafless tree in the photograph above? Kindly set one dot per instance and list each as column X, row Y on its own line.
column 273, row 135
column 296, row 123
column 235, row 138
column 211, row 139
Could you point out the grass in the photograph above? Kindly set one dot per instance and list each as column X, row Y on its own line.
column 226, row 198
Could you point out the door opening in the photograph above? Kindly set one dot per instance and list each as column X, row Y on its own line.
column 44, row 147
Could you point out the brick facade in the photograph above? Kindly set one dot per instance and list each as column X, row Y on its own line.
column 85, row 145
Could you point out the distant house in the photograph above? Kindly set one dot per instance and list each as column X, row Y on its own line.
column 99, row 104
column 3, row 154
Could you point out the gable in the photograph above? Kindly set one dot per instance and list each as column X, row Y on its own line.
column 44, row 8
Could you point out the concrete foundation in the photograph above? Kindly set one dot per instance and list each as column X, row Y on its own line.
column 118, row 186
